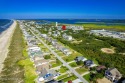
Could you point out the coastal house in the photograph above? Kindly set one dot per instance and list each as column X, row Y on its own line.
column 88, row 63
column 68, row 38
column 64, row 34
column 40, row 68
column 35, row 53
column 55, row 35
column 44, row 35
column 59, row 27
column 35, row 58
column 34, row 48
column 123, row 81
column 80, row 58
column 48, row 75
column 54, row 41
column 76, row 28
column 107, row 33
column 54, row 81
column 49, row 33
column 100, row 68
column 41, row 62
column 113, row 74
column 49, row 39
column 66, row 51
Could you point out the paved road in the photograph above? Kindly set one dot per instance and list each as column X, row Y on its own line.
column 69, row 67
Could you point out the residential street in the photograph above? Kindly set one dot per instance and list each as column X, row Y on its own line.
column 64, row 63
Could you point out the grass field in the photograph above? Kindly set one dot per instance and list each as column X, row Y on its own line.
column 104, row 26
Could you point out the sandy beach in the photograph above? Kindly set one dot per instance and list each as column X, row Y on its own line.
column 5, row 38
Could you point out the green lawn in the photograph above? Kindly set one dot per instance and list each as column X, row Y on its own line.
column 71, row 57
column 62, row 76
column 87, row 77
column 73, row 77
column 63, row 69
column 25, row 54
column 81, row 70
column 73, row 64
column 30, row 74
column 25, row 62
column 60, row 53
column 54, row 64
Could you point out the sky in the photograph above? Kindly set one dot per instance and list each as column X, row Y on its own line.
column 64, row 9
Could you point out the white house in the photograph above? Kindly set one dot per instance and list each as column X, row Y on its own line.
column 44, row 35
column 69, row 38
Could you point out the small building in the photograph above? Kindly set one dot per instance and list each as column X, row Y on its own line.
column 63, row 27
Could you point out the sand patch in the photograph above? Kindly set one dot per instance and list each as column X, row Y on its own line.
column 104, row 80
column 76, row 42
column 108, row 50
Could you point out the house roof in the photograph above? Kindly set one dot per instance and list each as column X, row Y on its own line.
column 52, row 72
column 35, row 53
column 37, row 58
column 100, row 67
column 115, row 72
column 88, row 62
column 40, row 61
column 39, row 68
column 123, row 81
column 79, row 58
column 54, row 81
column 47, row 74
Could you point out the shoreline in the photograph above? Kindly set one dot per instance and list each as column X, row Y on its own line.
column 5, row 39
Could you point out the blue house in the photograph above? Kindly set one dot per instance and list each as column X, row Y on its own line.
column 88, row 63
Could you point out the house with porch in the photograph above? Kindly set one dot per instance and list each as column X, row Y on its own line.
column 113, row 75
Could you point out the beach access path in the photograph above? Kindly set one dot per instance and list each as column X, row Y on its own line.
column 5, row 39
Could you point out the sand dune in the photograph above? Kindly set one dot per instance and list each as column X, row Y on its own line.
column 5, row 39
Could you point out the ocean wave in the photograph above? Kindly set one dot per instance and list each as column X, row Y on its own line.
column 4, row 27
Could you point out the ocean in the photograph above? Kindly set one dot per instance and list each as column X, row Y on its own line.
column 86, row 21
column 4, row 24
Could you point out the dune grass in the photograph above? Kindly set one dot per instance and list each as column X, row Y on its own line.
column 12, row 72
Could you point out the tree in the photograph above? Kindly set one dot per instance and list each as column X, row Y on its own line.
column 79, row 62
column 47, row 57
